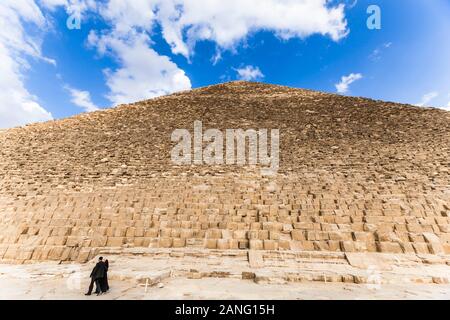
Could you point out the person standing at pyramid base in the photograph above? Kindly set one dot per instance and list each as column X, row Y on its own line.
column 97, row 277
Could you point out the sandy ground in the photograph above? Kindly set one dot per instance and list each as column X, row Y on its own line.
column 21, row 282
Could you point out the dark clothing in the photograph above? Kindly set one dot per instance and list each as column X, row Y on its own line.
column 97, row 286
column 99, row 270
column 105, row 284
column 97, row 276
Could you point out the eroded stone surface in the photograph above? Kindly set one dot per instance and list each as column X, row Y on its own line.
column 228, row 274
column 356, row 176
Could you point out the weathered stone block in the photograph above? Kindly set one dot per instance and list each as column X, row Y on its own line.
column 165, row 242
column 298, row 235
column 223, row 244
column 115, row 241
column 256, row 244
column 421, row 248
column 347, row 246
column 179, row 243
column 389, row 247
column 270, row 245
column 211, row 243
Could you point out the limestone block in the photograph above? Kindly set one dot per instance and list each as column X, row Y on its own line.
column 234, row 244
column 179, row 243
column 308, row 245
column 165, row 242
column 334, row 245
column 120, row 232
column 83, row 255
column 287, row 228
column 223, row 244
column 115, row 241
column 298, row 235
column 130, row 232
column 239, row 234
column 227, row 234
column 165, row 232
column 263, row 234
column 256, row 226
column 66, row 254
column 176, row 233
column 74, row 241
column 63, row 231
column 55, row 253
column 347, row 246
column 363, row 236
column 153, row 242
column 414, row 227
column 214, row 234
column 329, row 227
column 274, row 235
column 56, row 241
column 270, row 245
column 109, row 232
column 311, row 235
column 387, row 237
column 138, row 242
column 304, row 225
column 431, row 237
column 436, row 248
column 139, row 232
column 37, row 253
column 389, row 247
column 151, row 233
column 445, row 246
column 11, row 253
column 360, row 246
column 434, row 243
column 252, row 234
column 407, row 247
column 99, row 241
column 256, row 244
column 211, row 243
column 284, row 244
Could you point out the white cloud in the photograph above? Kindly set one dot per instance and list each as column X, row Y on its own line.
column 125, row 15
column 17, row 105
column 346, row 81
column 427, row 98
column 249, row 73
column 82, row 99
column 71, row 6
column 376, row 54
column 184, row 22
column 143, row 73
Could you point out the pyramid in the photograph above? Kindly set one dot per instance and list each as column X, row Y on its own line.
column 355, row 176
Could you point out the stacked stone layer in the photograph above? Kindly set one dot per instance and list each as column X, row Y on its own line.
column 356, row 176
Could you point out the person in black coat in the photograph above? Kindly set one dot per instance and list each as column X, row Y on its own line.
column 97, row 276
column 105, row 284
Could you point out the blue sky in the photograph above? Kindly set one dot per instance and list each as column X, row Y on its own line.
column 131, row 50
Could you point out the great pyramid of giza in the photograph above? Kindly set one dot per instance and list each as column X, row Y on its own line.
column 356, row 175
